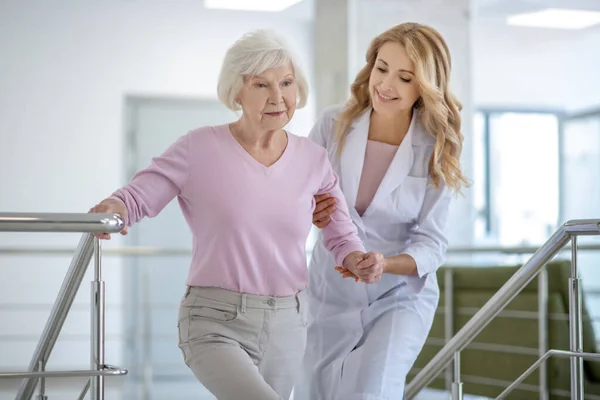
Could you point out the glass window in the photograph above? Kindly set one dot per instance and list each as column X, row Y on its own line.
column 581, row 192
column 524, row 177
column 479, row 177
column 581, row 166
column 515, row 181
column 524, row 180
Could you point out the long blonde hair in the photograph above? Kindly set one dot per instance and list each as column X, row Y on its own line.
column 438, row 109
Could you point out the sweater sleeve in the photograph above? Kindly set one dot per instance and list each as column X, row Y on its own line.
column 151, row 189
column 340, row 236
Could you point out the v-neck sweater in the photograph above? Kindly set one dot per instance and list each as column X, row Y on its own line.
column 249, row 222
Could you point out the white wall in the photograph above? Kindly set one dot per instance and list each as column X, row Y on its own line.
column 516, row 67
column 584, row 69
column 65, row 68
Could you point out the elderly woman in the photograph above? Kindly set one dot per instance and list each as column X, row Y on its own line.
column 247, row 192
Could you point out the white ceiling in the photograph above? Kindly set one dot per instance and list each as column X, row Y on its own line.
column 490, row 17
column 303, row 10
column 487, row 13
column 502, row 8
column 485, row 9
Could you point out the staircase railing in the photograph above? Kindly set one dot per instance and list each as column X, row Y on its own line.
column 570, row 231
column 88, row 246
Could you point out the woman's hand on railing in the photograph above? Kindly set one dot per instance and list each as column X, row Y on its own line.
column 110, row 206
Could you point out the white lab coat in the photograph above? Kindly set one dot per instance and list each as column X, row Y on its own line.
column 363, row 339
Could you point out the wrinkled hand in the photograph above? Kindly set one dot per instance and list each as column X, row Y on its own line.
column 346, row 273
column 324, row 207
column 110, row 206
column 364, row 267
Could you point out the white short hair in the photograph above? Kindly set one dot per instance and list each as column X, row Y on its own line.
column 251, row 55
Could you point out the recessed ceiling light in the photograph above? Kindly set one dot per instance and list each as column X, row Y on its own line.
column 556, row 18
column 250, row 5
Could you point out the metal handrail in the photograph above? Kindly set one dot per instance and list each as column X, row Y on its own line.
column 88, row 246
column 168, row 251
column 59, row 313
column 516, row 250
column 540, row 362
column 572, row 228
column 61, row 222
column 500, row 383
column 107, row 371
column 521, row 278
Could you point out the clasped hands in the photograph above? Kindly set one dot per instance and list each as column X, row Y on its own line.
column 363, row 267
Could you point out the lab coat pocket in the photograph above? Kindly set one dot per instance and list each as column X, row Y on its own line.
column 408, row 198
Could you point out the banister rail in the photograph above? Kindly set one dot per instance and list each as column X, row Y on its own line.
column 60, row 222
column 88, row 246
column 567, row 232
column 13, row 222
column 172, row 251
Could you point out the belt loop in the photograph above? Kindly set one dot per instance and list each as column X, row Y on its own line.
column 187, row 291
column 244, row 303
column 298, row 303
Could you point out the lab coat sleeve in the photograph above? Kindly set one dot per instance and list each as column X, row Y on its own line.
column 428, row 240
column 316, row 133
column 340, row 236
column 151, row 189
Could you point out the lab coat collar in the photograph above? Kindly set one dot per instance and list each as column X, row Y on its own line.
column 353, row 156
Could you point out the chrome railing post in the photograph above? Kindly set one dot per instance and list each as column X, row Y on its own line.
column 575, row 325
column 543, row 330
column 457, row 384
column 146, row 368
column 448, row 317
column 84, row 390
column 97, row 326
column 59, row 312
column 42, row 395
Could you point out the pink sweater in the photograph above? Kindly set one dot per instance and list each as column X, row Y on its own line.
column 249, row 222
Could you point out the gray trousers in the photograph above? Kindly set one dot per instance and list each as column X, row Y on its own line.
column 241, row 346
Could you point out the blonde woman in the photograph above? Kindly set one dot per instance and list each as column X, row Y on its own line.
column 395, row 146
